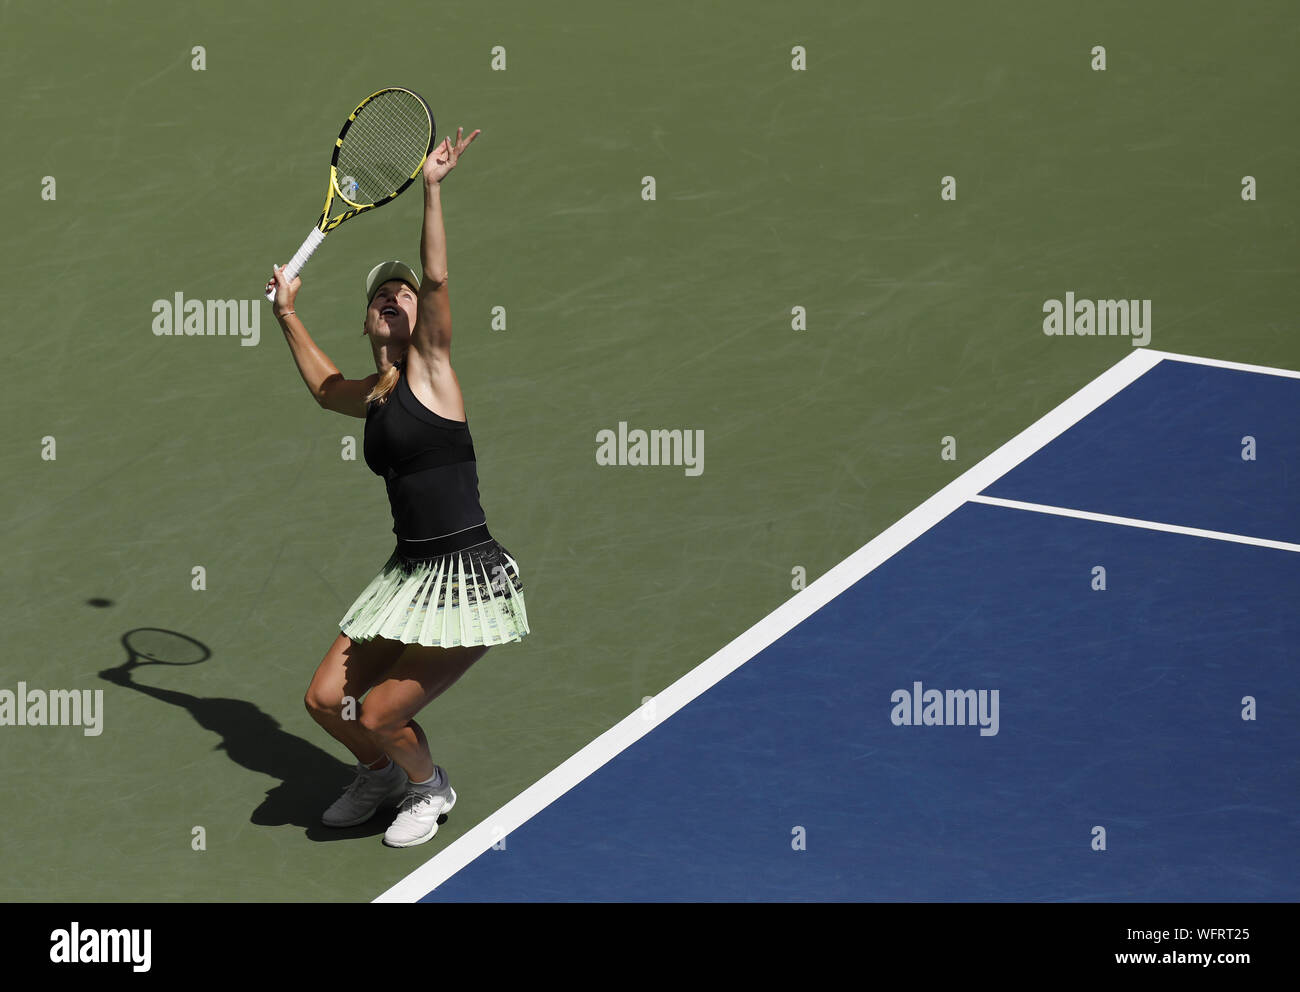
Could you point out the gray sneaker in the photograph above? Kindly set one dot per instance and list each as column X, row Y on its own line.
column 368, row 791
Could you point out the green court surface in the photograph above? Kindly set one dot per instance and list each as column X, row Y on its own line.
column 775, row 189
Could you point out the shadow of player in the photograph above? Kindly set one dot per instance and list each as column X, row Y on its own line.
column 310, row 779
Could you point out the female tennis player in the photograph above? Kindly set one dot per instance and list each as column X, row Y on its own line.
column 449, row 590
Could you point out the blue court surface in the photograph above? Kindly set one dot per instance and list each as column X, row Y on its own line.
column 1093, row 630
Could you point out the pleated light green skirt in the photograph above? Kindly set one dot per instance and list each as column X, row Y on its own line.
column 474, row 596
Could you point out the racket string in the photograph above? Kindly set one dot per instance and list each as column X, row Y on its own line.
column 385, row 144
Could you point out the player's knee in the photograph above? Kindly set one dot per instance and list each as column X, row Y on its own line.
column 376, row 720
column 320, row 703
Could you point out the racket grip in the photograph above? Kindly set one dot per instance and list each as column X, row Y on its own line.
column 299, row 259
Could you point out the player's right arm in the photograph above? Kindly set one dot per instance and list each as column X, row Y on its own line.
column 322, row 378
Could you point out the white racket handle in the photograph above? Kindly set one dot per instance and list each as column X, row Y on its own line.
column 299, row 259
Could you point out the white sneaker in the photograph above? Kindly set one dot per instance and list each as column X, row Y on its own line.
column 418, row 812
column 368, row 791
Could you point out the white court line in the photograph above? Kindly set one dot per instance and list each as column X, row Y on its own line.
column 1219, row 364
column 776, row 624
column 1106, row 518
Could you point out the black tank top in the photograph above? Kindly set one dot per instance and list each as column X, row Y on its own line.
column 427, row 463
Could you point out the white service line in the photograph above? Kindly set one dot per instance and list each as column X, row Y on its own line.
column 480, row 838
column 1106, row 518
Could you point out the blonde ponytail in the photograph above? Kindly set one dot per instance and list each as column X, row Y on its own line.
column 385, row 385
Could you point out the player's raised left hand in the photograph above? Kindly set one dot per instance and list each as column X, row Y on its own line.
column 445, row 155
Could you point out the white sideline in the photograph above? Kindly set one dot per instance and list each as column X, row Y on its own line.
column 784, row 618
column 1106, row 518
column 1220, row 364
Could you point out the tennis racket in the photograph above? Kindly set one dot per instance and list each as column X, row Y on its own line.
column 379, row 152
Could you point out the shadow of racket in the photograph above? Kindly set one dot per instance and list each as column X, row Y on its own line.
column 156, row 646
